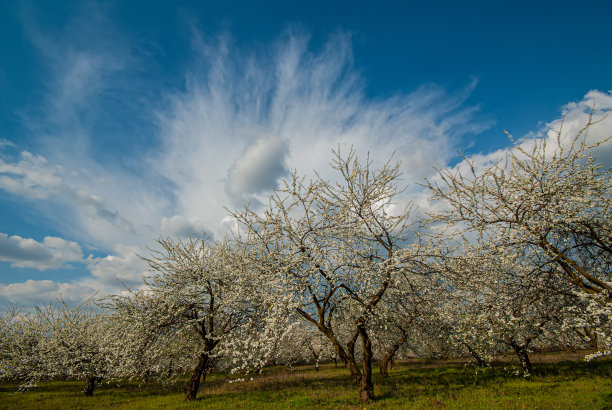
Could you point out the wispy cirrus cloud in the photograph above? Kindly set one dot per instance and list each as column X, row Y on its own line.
column 242, row 121
column 245, row 120
column 33, row 178
column 6, row 143
column 84, row 61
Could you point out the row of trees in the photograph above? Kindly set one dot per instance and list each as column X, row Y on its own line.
column 519, row 257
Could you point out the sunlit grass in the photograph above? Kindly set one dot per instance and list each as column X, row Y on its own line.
column 416, row 384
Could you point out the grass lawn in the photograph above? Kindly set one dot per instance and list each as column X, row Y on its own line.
column 413, row 384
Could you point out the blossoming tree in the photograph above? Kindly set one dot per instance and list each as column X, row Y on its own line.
column 553, row 199
column 334, row 249
column 197, row 303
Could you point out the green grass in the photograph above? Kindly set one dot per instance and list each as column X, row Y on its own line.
column 416, row 384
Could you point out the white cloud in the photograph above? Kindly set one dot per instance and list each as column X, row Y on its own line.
column 38, row 292
column 178, row 225
column 51, row 253
column 6, row 143
column 575, row 116
column 244, row 120
column 259, row 168
column 126, row 266
column 33, row 178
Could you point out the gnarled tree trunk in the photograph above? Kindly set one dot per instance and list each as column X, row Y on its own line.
column 198, row 373
column 363, row 380
column 387, row 360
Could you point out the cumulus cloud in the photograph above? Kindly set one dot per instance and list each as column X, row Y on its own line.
column 178, row 225
column 125, row 266
column 31, row 176
column 51, row 253
column 574, row 116
column 259, row 168
column 37, row 292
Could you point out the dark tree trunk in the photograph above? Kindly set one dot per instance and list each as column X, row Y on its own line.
column 387, row 360
column 90, row 386
column 170, row 368
column 385, row 366
column 315, row 357
column 198, row 373
column 479, row 359
column 521, row 352
column 366, row 388
column 362, row 380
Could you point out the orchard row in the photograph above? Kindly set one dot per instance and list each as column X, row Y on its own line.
column 515, row 255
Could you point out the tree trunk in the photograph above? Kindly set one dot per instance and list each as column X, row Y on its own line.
column 479, row 359
column 521, row 352
column 315, row 357
column 170, row 368
column 385, row 366
column 363, row 381
column 387, row 360
column 91, row 384
column 198, row 373
column 366, row 388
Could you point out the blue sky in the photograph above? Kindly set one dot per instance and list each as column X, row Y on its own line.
column 124, row 121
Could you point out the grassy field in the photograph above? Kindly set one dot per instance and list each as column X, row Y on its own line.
column 414, row 384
